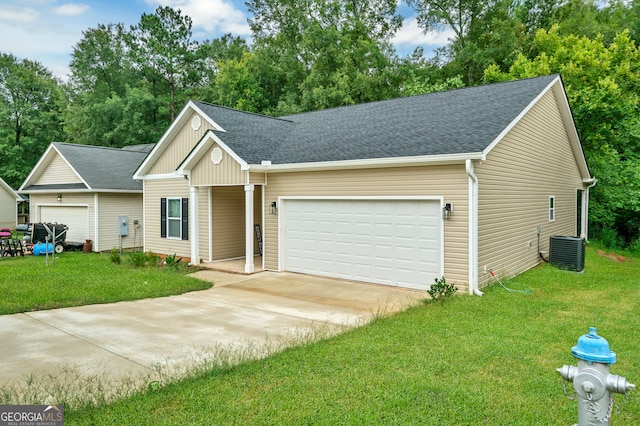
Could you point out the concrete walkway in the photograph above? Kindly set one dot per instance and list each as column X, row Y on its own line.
column 249, row 315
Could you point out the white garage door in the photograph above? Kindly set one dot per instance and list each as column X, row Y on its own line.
column 392, row 242
column 75, row 217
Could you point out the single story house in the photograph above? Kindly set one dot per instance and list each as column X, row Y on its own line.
column 395, row 192
column 90, row 189
column 9, row 200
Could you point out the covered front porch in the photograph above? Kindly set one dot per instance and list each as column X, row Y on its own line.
column 232, row 229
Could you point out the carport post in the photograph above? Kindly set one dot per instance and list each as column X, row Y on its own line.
column 248, row 213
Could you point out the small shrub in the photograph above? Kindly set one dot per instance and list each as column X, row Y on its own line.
column 441, row 289
column 115, row 256
column 172, row 262
column 138, row 258
column 154, row 259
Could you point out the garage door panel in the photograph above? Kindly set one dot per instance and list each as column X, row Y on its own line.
column 394, row 242
column 75, row 217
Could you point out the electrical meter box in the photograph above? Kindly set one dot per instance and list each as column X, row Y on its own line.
column 123, row 222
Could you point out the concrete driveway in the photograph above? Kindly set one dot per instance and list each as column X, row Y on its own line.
column 242, row 316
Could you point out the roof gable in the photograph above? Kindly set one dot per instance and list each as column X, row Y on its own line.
column 5, row 186
column 97, row 168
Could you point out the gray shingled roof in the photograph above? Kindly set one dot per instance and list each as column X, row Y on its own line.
column 104, row 168
column 452, row 122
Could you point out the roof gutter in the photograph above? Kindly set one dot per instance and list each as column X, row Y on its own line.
column 473, row 229
column 268, row 166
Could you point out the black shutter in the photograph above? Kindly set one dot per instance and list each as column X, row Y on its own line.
column 163, row 218
column 185, row 218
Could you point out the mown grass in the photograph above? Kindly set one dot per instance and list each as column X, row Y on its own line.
column 75, row 279
column 468, row 361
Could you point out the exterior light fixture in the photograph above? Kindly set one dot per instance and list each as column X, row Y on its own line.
column 273, row 208
column 59, row 197
column 447, row 210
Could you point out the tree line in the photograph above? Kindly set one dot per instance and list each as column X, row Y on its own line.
column 126, row 84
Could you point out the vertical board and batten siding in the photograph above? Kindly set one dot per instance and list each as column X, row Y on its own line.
column 57, row 172
column 110, row 208
column 68, row 199
column 532, row 162
column 227, row 172
column 228, row 219
column 179, row 147
column 449, row 181
column 8, row 209
column 154, row 190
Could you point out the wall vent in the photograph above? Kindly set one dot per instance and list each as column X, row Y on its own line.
column 567, row 252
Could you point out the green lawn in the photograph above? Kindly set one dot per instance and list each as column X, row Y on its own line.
column 468, row 361
column 74, row 279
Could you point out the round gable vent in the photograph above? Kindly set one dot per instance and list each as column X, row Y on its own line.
column 216, row 155
column 196, row 122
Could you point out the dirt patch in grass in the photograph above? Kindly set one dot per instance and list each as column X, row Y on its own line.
column 615, row 257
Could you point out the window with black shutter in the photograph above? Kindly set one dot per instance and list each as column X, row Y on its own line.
column 174, row 218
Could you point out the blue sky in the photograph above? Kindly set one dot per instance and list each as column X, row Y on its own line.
column 48, row 30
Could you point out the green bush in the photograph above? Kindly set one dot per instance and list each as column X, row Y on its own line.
column 138, row 258
column 115, row 256
column 441, row 289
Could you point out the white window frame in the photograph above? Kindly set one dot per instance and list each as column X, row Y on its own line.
column 552, row 208
column 174, row 218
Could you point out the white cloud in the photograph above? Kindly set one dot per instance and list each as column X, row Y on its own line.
column 17, row 14
column 412, row 35
column 211, row 16
column 71, row 9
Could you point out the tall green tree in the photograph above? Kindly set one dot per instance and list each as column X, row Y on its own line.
column 100, row 62
column 163, row 49
column 486, row 31
column 30, row 103
column 108, row 92
column 325, row 53
column 602, row 81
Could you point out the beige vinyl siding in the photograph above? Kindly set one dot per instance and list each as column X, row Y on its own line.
column 532, row 162
column 58, row 171
column 178, row 148
column 154, row 190
column 257, row 178
column 228, row 218
column 228, row 172
column 449, row 181
column 8, row 209
column 68, row 199
column 110, row 208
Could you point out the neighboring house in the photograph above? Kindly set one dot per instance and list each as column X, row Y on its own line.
column 395, row 192
column 9, row 200
column 90, row 189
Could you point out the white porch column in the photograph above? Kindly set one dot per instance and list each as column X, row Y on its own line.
column 248, row 214
column 193, row 225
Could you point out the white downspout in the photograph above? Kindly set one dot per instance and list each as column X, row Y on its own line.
column 584, row 228
column 473, row 230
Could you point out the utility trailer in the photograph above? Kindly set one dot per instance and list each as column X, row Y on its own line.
column 55, row 233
